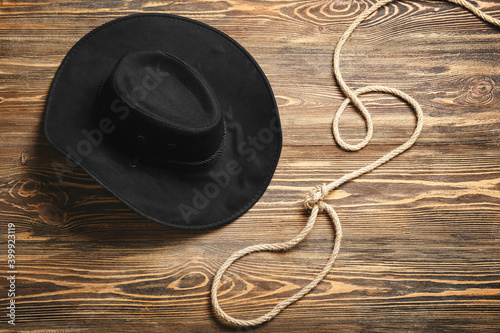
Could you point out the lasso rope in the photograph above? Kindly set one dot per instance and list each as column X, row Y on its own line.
column 314, row 201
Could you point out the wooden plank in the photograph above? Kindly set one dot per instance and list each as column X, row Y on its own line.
column 421, row 245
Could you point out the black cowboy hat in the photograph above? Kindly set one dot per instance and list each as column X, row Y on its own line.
column 172, row 116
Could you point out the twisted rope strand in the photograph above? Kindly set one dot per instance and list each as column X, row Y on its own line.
column 314, row 201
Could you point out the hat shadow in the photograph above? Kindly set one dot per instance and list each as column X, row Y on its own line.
column 63, row 201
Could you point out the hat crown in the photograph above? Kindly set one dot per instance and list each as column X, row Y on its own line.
column 164, row 111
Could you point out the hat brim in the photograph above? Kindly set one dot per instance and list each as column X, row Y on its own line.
column 191, row 200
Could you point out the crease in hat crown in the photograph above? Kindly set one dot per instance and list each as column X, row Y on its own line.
column 163, row 110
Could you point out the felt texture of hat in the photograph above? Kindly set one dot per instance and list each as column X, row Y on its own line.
column 166, row 153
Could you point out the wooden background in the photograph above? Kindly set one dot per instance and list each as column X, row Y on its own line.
column 421, row 251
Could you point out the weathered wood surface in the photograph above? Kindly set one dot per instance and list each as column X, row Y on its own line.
column 422, row 233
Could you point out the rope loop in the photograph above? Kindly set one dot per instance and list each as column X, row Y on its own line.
column 314, row 200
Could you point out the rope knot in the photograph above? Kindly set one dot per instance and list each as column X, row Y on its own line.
column 317, row 194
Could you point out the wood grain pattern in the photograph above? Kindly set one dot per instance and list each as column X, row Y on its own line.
column 422, row 233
